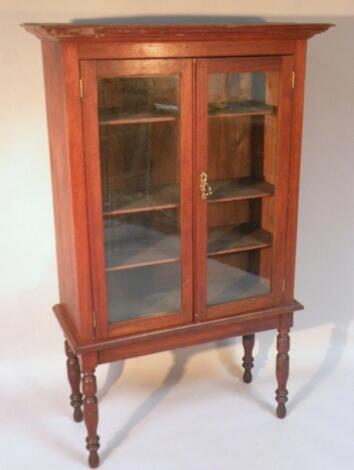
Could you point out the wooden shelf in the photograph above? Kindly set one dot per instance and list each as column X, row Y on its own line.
column 244, row 237
column 238, row 189
column 153, row 250
column 159, row 198
column 149, row 249
column 245, row 108
column 112, row 118
column 142, row 264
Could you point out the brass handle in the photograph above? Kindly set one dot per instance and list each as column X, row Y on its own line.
column 205, row 189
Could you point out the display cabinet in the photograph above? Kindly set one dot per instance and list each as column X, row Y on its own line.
column 175, row 165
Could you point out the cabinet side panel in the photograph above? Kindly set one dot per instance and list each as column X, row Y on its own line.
column 68, row 185
column 294, row 177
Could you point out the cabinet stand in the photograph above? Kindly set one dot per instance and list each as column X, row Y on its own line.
column 94, row 353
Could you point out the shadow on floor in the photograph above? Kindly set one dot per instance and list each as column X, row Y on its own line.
column 115, row 370
column 334, row 353
column 181, row 357
column 232, row 364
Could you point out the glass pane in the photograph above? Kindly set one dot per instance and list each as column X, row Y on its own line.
column 242, row 133
column 139, row 148
column 238, row 275
column 142, row 292
column 139, row 165
column 141, row 238
column 239, row 225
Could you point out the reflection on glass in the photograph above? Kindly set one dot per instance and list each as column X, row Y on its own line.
column 143, row 292
column 242, row 127
column 242, row 132
column 141, row 238
column 139, row 149
column 139, row 141
column 131, row 98
column 238, row 275
column 139, row 166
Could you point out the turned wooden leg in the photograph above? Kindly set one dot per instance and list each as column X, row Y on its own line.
column 91, row 416
column 247, row 360
column 282, row 370
column 73, row 370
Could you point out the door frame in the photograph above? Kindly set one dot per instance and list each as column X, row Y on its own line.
column 285, row 66
column 90, row 71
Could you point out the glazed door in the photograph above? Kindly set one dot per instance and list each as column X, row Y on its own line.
column 138, row 155
column 243, row 114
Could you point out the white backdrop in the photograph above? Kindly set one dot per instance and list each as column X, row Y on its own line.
column 185, row 410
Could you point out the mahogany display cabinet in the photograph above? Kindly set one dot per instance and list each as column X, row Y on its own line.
column 175, row 155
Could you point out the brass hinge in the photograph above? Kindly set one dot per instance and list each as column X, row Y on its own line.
column 293, row 80
column 283, row 287
column 81, row 88
column 94, row 320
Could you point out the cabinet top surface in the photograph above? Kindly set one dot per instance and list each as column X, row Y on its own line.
column 73, row 32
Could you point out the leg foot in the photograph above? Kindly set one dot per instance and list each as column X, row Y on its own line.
column 281, row 411
column 73, row 370
column 93, row 459
column 247, row 360
column 78, row 415
column 282, row 371
column 91, row 416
